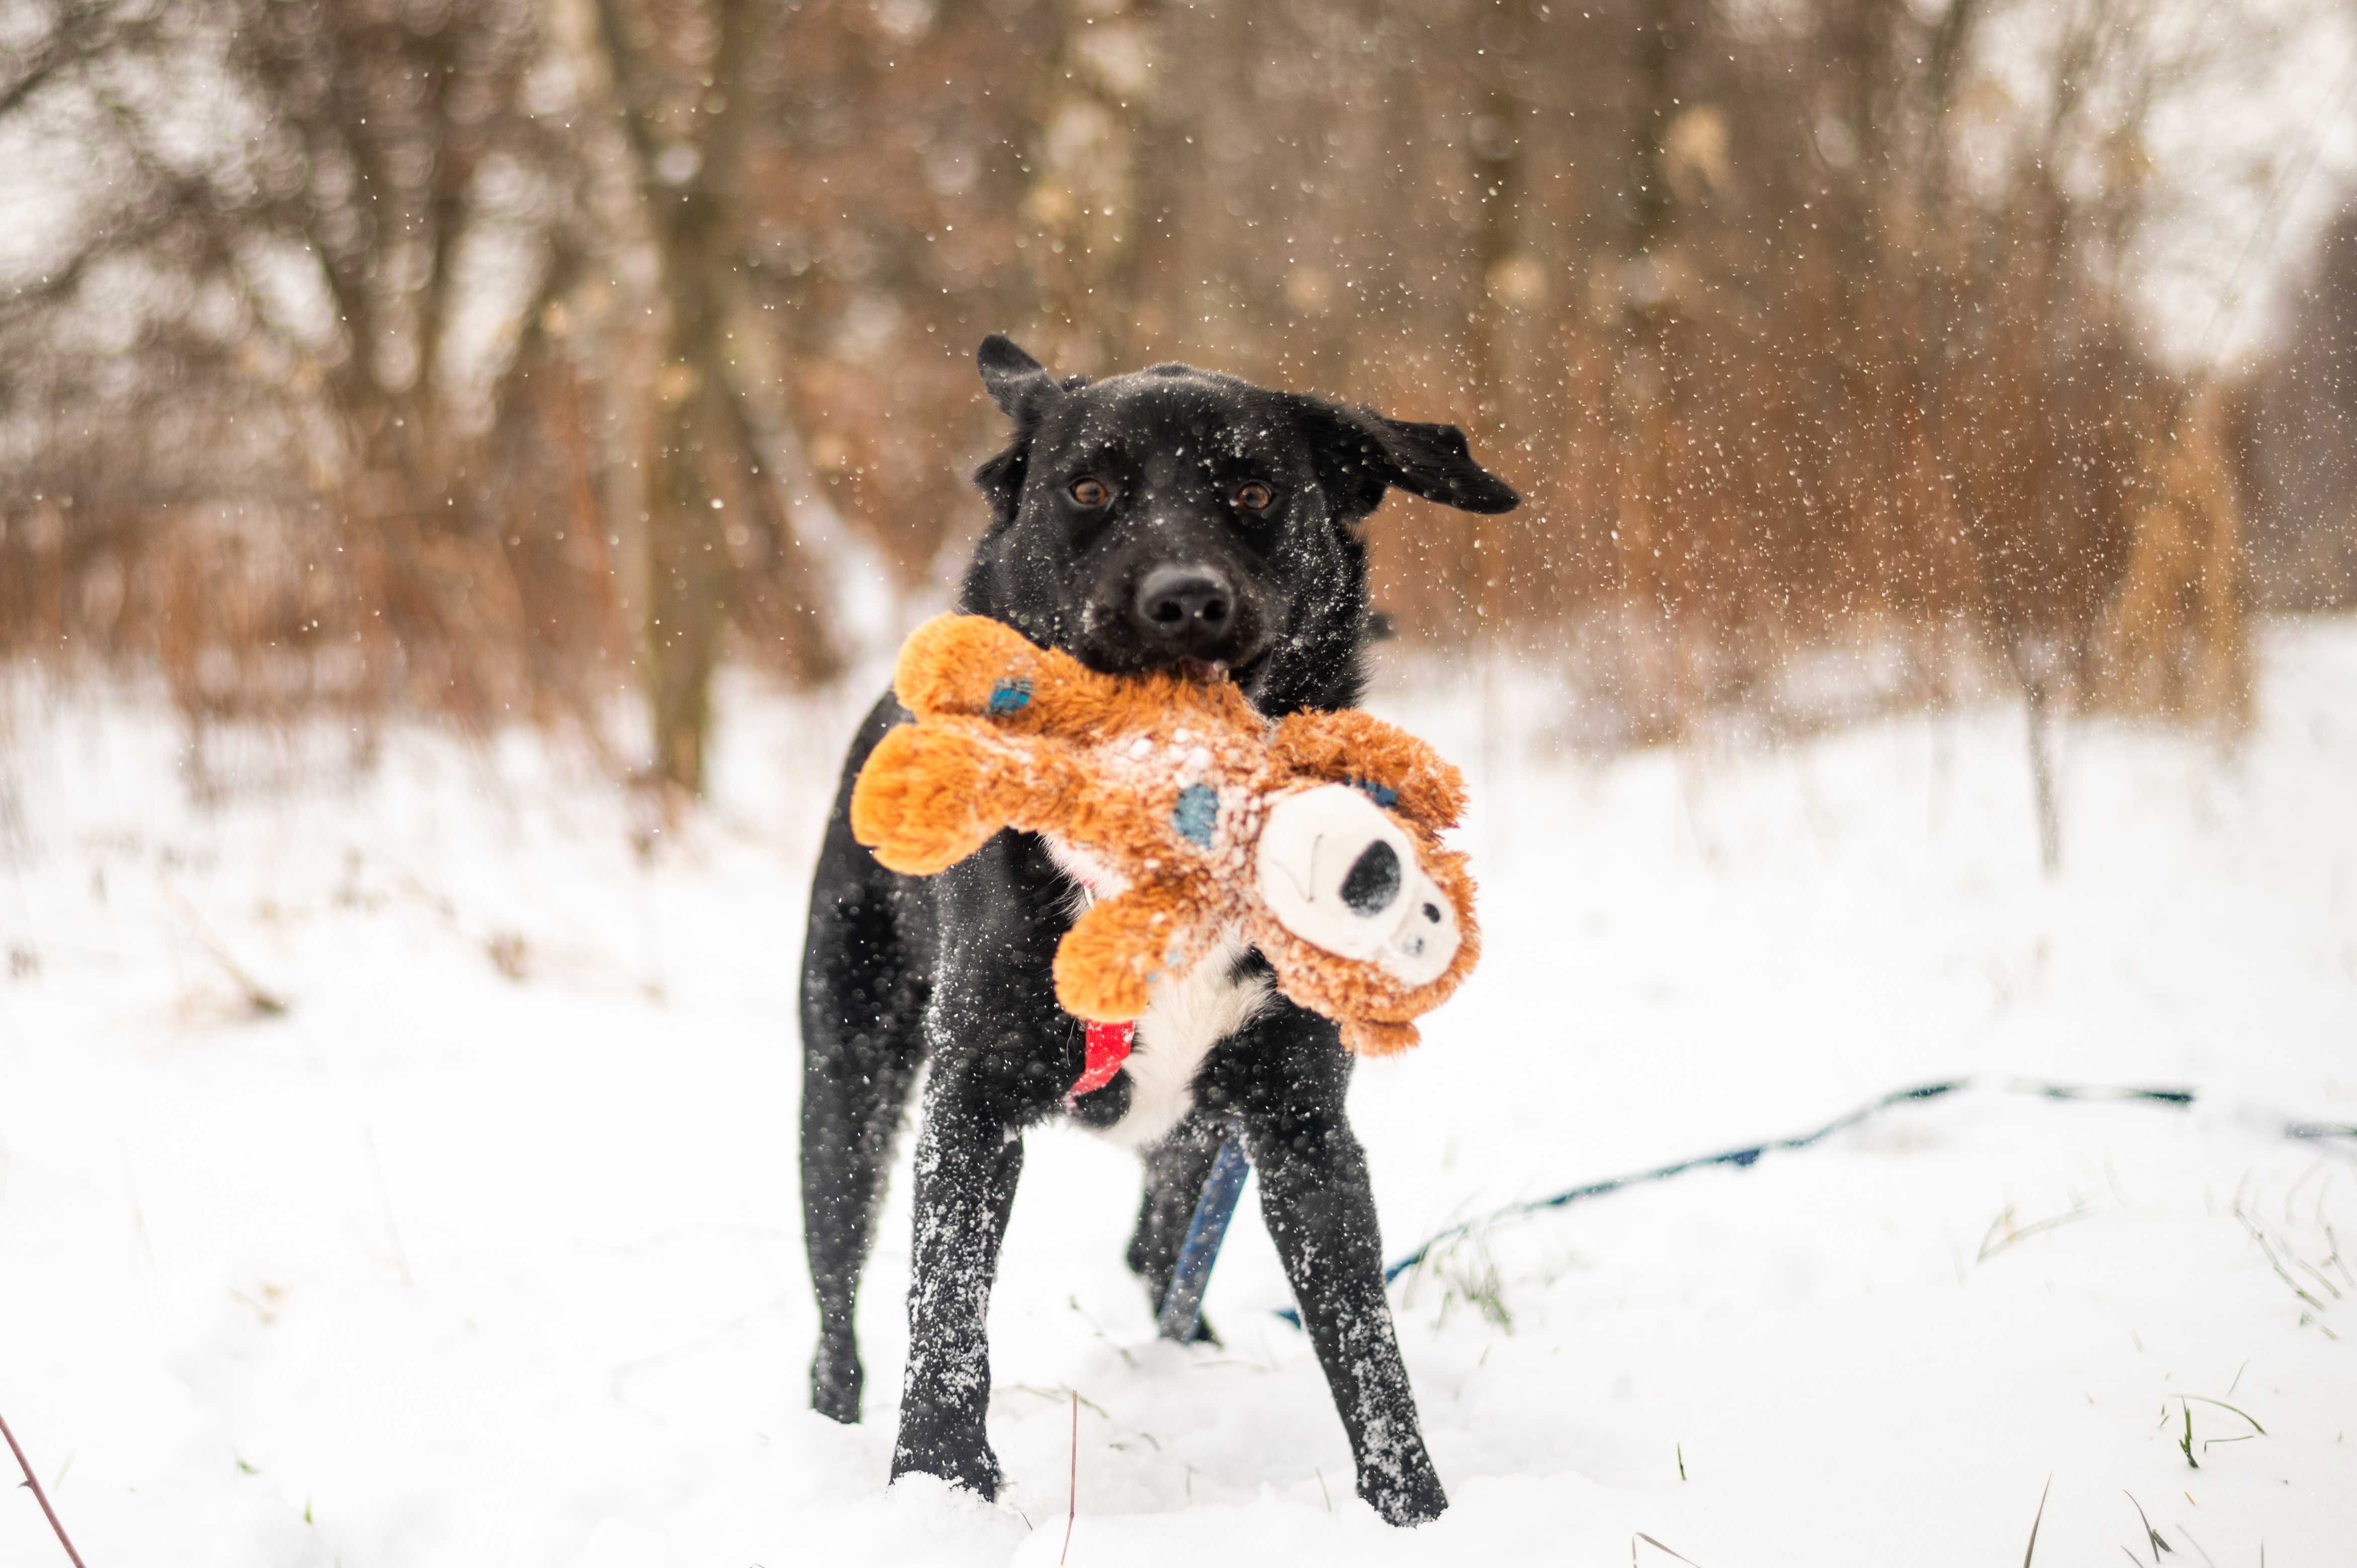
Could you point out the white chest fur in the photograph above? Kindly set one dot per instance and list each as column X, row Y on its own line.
column 1187, row 1016
column 1094, row 878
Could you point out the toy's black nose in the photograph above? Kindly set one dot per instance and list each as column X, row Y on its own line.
column 1189, row 609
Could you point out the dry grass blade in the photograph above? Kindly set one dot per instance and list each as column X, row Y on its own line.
column 2152, row 1538
column 2267, row 1248
column 2037, row 1519
column 1657, row 1546
column 260, row 1000
column 2222, row 1404
column 1072, row 1497
column 1997, row 1239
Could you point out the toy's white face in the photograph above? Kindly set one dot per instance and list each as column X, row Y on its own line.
column 1341, row 875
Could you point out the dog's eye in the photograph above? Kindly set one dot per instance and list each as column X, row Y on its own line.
column 1254, row 496
column 1090, row 492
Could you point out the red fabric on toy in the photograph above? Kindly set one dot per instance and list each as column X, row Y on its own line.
column 1108, row 1049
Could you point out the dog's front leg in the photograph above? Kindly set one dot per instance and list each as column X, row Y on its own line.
column 968, row 1159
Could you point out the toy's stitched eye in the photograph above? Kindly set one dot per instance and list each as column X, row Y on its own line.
column 1090, row 492
column 1254, row 496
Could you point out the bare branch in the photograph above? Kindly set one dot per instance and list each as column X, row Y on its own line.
column 39, row 1496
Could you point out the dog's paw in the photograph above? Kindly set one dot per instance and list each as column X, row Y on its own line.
column 835, row 1380
column 962, row 1460
column 1406, row 1491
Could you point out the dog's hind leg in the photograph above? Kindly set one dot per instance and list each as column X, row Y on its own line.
column 1175, row 1169
column 862, row 1006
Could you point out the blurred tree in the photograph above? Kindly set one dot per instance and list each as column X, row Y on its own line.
column 1089, row 167
column 321, row 230
column 2300, row 437
column 719, row 538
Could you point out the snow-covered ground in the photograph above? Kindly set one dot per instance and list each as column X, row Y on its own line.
column 484, row 1250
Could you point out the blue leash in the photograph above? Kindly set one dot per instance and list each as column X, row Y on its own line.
column 1182, row 1308
column 1182, row 1304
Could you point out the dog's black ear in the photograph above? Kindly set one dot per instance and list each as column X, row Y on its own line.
column 1018, row 382
column 1360, row 454
column 1021, row 386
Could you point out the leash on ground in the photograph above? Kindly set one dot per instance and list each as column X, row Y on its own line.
column 1182, row 1306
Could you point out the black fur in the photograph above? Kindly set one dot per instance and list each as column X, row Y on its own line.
column 1174, row 562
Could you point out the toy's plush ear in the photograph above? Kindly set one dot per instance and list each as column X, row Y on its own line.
column 1402, row 773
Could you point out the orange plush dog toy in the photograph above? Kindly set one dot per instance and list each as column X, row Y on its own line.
column 1315, row 839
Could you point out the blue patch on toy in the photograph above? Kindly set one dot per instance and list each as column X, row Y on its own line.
column 1010, row 696
column 1382, row 795
column 1198, row 809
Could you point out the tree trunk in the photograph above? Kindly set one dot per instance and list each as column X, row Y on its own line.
column 700, row 460
column 687, row 588
column 1085, row 199
column 2041, row 778
column 1640, row 377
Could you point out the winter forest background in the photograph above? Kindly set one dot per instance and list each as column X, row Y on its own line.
column 512, row 359
column 464, row 464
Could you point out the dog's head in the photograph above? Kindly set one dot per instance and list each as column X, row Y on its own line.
column 1175, row 516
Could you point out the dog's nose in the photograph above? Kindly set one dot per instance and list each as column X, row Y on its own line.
column 1188, row 608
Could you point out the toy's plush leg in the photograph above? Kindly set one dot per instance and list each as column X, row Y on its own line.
column 953, row 664
column 928, row 797
column 1175, row 1171
column 1116, row 951
column 980, row 667
column 931, row 795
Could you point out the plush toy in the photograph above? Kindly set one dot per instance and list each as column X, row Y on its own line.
column 1190, row 818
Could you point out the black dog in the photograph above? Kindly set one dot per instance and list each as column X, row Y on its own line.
column 1139, row 523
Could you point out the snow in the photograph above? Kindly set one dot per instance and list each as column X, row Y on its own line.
column 486, row 1250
